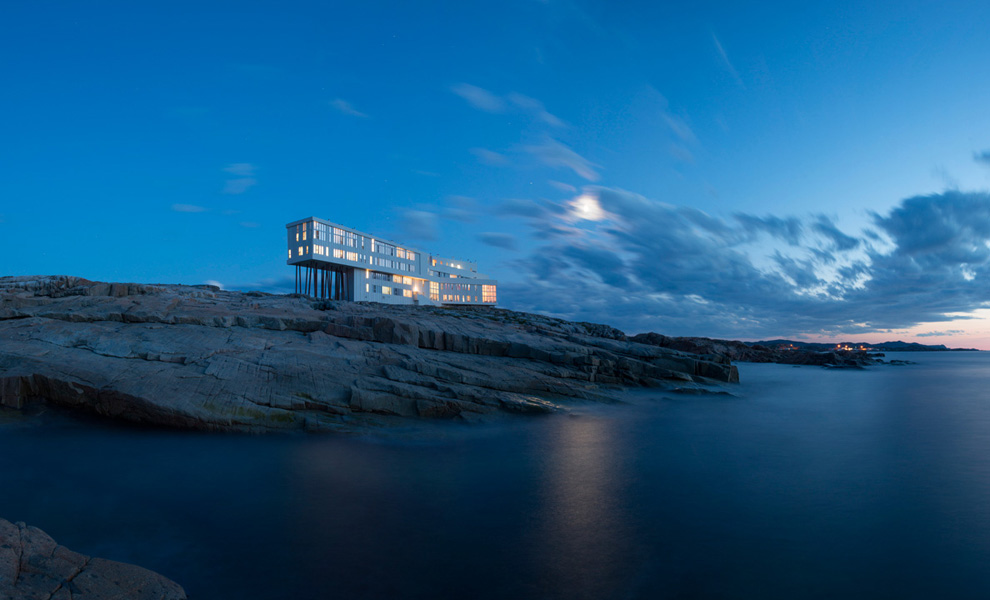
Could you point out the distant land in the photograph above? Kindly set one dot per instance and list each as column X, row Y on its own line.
column 897, row 346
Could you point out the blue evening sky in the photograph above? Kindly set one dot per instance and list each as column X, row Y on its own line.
column 745, row 170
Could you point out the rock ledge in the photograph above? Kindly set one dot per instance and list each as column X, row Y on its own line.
column 33, row 566
column 199, row 357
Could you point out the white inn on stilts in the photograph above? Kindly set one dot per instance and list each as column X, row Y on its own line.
column 340, row 263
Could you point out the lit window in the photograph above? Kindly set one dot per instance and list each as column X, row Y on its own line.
column 290, row 253
column 300, row 251
column 304, row 235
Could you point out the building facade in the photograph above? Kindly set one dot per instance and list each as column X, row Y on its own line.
column 340, row 263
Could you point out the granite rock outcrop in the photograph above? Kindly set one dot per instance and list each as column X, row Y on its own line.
column 34, row 567
column 204, row 358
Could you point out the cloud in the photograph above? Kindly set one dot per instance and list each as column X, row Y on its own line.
column 345, row 107
column 947, row 333
column 245, row 178
column 518, row 207
column 726, row 62
column 240, row 169
column 479, row 98
column 564, row 187
column 506, row 241
column 490, row 157
column 555, row 154
column 460, row 208
column 535, row 108
column 188, row 208
column 789, row 230
column 982, row 157
column 238, row 186
column 487, row 101
column 419, row 224
column 214, row 282
column 684, row 138
column 827, row 228
column 649, row 265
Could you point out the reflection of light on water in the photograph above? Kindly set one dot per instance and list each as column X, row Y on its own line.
column 583, row 535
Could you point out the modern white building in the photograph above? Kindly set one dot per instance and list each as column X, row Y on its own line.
column 340, row 263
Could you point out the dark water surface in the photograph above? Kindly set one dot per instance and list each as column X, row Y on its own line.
column 808, row 483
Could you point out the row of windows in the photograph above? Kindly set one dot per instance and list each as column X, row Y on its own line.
column 342, row 237
column 385, row 290
column 441, row 274
column 445, row 263
column 488, row 294
column 460, row 287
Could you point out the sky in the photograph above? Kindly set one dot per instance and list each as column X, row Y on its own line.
column 814, row 171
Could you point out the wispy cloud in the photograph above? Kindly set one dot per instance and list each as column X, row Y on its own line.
column 345, row 107
column 726, row 62
column 245, row 178
column 558, row 155
column 487, row 101
column 238, row 186
column 240, row 169
column 946, row 333
column 535, row 108
column 564, row 187
column 982, row 157
column 479, row 98
column 490, row 157
column 419, row 224
column 250, row 224
column 188, row 208
column 505, row 241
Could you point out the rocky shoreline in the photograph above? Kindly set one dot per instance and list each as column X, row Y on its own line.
column 34, row 566
column 735, row 351
column 198, row 357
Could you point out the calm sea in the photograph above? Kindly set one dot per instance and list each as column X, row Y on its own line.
column 806, row 483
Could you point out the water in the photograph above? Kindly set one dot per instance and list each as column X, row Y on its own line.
column 808, row 483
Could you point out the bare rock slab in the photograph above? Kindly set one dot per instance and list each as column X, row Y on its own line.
column 203, row 358
column 34, row 567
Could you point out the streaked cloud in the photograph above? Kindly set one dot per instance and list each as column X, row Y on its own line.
column 238, row 186
column 245, row 178
column 564, row 187
column 490, row 157
column 419, row 224
column 344, row 107
column 726, row 62
column 487, row 101
column 188, row 208
column 506, row 241
column 946, row 333
column 535, row 108
column 240, row 169
column 479, row 98
column 982, row 157
column 558, row 155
